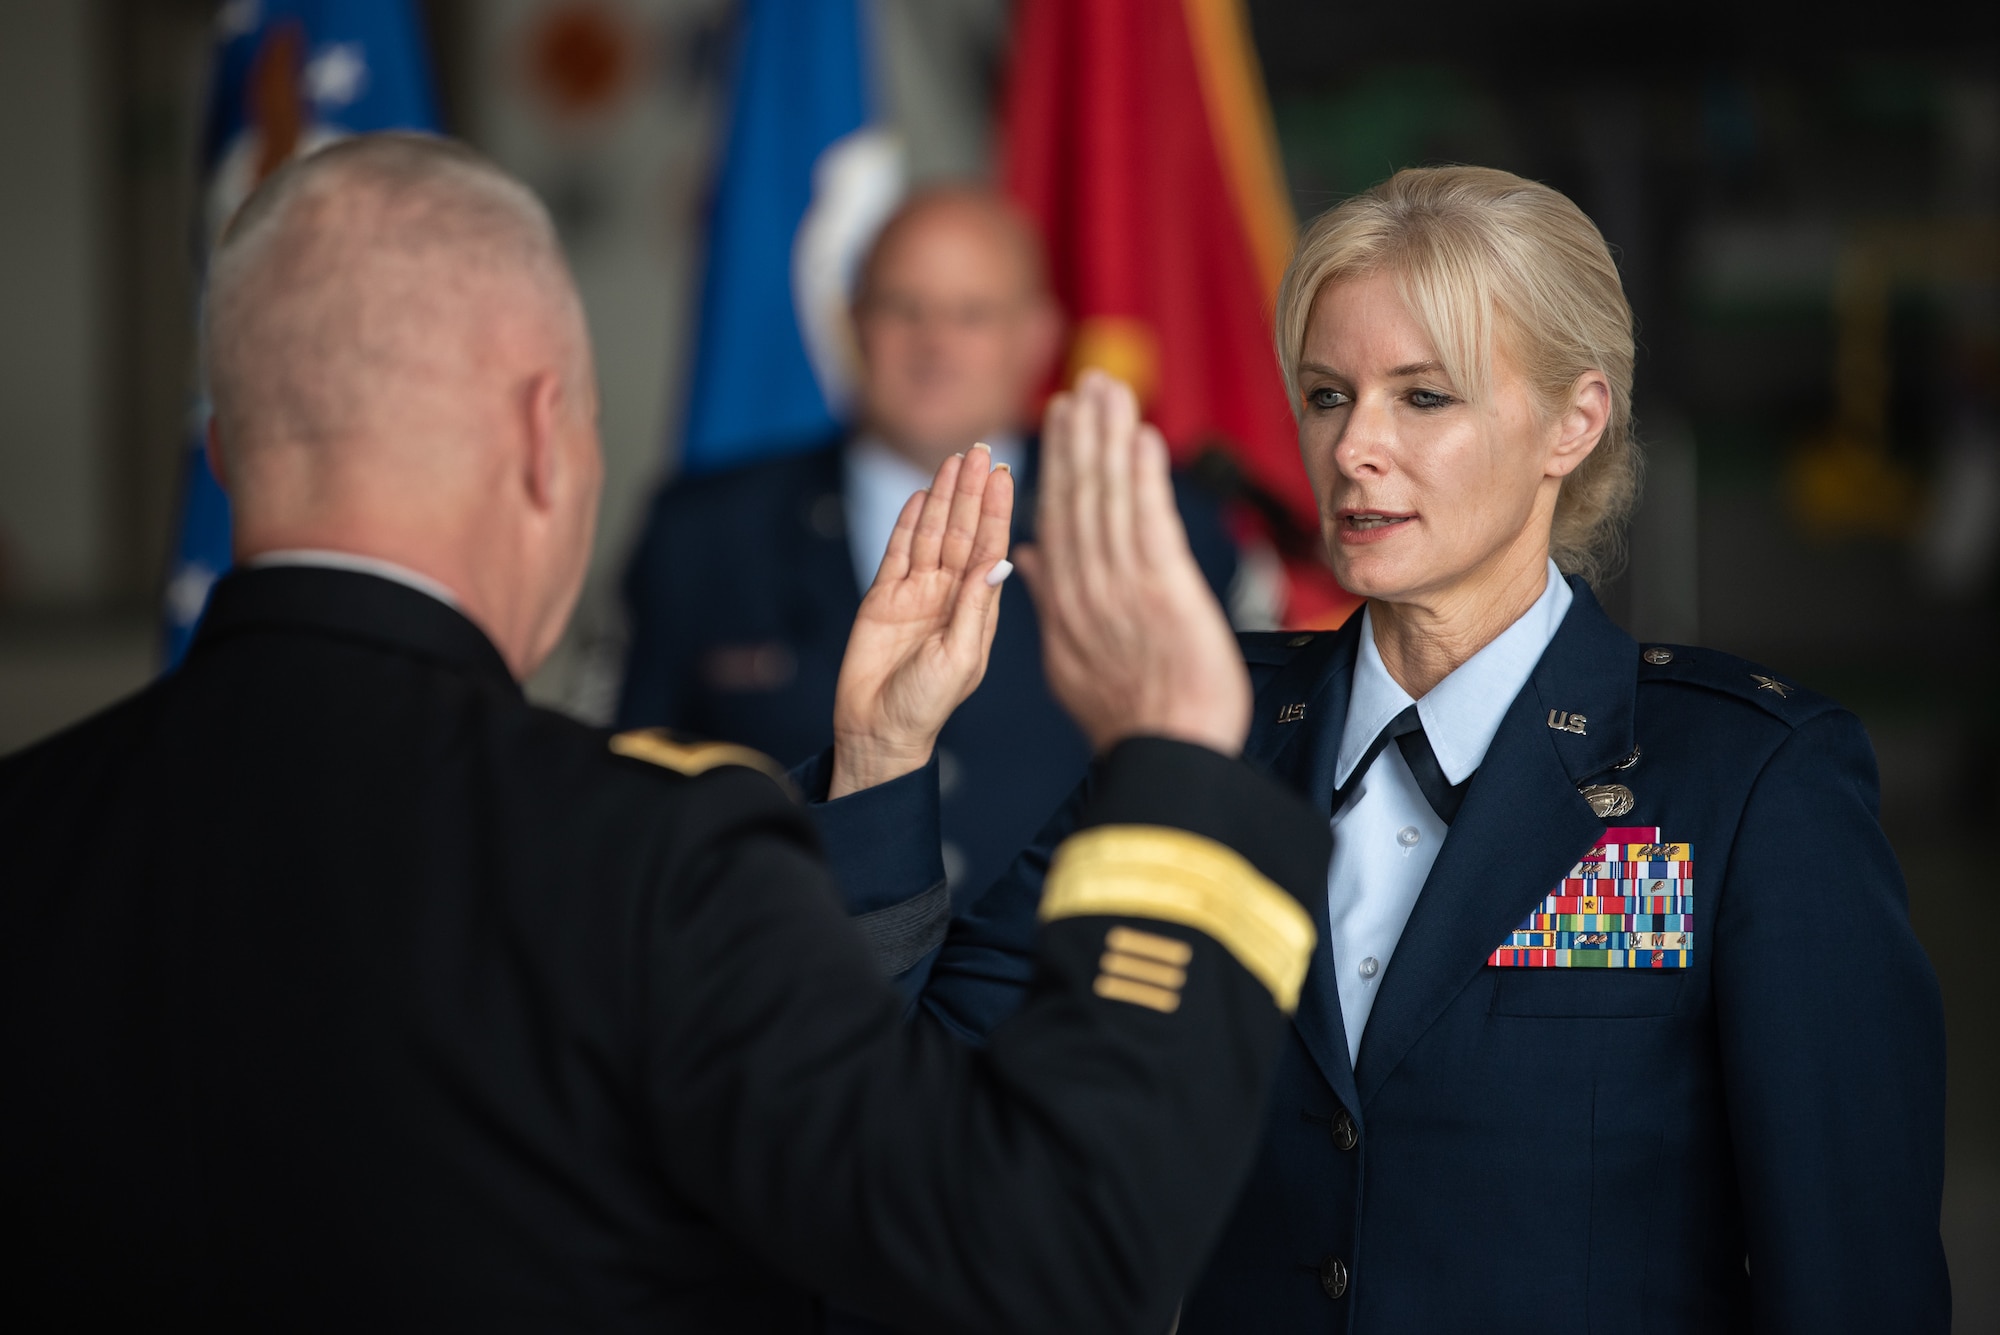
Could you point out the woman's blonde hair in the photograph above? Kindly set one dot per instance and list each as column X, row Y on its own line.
column 1481, row 254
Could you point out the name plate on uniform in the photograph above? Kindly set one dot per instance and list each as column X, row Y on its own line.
column 1628, row 904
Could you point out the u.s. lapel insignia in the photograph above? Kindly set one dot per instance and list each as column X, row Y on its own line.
column 1563, row 721
column 1771, row 684
column 1607, row 801
column 1628, row 904
column 1292, row 713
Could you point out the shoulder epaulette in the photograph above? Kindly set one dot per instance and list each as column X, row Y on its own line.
column 1714, row 670
column 657, row 746
column 1274, row 647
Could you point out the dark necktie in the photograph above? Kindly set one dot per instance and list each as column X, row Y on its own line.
column 1408, row 732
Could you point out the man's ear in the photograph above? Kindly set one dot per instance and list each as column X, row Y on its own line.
column 541, row 409
column 1582, row 424
column 1043, row 338
column 211, row 448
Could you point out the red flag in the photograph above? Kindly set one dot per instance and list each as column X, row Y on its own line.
column 1138, row 138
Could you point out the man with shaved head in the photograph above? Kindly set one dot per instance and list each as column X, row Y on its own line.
column 341, row 988
column 398, row 361
column 744, row 584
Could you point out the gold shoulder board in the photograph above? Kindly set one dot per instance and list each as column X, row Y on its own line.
column 657, row 746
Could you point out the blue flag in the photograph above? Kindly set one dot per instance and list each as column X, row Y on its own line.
column 805, row 179
column 289, row 77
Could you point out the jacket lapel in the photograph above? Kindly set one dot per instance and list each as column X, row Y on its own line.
column 1522, row 826
column 824, row 595
column 1302, row 753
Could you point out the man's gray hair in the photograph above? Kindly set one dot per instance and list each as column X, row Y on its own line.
column 278, row 315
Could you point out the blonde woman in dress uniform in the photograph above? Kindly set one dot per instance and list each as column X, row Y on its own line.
column 1617, row 1021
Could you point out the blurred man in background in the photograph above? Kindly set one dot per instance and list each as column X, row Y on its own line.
column 745, row 582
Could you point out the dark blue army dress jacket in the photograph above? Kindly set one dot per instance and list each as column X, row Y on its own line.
column 1723, row 1112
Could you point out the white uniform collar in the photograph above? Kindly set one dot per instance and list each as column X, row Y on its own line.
column 324, row 559
column 1462, row 713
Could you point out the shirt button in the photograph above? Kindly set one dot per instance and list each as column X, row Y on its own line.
column 1408, row 836
column 1369, row 966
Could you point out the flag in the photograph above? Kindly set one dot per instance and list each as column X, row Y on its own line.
column 1138, row 138
column 807, row 176
column 288, row 76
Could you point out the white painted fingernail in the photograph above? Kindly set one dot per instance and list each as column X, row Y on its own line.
column 982, row 445
column 998, row 574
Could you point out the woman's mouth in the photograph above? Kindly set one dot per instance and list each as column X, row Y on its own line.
column 1359, row 526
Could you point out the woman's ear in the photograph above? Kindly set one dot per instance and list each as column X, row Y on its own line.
column 1582, row 424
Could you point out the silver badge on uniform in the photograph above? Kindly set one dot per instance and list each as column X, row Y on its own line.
column 1607, row 799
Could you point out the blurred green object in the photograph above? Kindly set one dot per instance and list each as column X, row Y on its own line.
column 1341, row 142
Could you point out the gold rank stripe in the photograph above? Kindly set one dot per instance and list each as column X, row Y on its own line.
column 656, row 747
column 1165, row 949
column 1173, row 875
column 1139, row 994
column 1143, row 970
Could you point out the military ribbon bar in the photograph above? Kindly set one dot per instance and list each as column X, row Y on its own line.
column 1628, row 903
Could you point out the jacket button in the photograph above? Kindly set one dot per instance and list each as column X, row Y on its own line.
column 1333, row 1276
column 1344, row 1135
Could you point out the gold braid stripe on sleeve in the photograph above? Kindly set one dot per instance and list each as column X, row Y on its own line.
column 1172, row 875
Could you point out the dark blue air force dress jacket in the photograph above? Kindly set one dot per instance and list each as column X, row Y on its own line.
column 1747, row 1136
column 741, row 594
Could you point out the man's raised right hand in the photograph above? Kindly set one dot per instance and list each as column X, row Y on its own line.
column 1134, row 642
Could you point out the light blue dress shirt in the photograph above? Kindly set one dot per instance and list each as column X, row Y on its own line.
column 1386, row 837
column 878, row 481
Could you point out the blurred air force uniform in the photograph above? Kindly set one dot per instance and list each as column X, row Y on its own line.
column 743, row 589
column 1655, row 1047
column 341, row 988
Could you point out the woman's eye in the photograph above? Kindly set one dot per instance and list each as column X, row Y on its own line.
column 1428, row 398
column 1326, row 398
